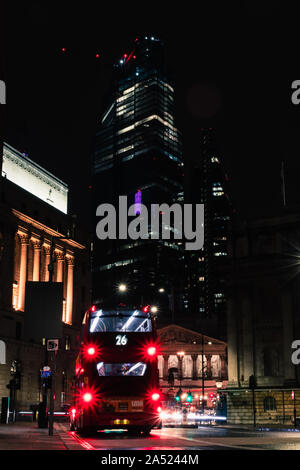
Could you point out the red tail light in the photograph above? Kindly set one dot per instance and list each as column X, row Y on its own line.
column 151, row 351
column 90, row 351
column 87, row 397
column 93, row 308
column 155, row 396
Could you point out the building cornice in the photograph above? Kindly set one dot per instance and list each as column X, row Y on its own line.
column 47, row 230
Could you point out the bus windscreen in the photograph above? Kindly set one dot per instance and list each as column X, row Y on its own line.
column 104, row 321
column 122, row 369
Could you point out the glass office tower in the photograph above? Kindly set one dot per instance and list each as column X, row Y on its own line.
column 205, row 288
column 138, row 153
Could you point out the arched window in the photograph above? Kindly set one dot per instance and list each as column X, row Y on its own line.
column 270, row 404
column 2, row 352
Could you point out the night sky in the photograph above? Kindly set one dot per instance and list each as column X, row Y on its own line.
column 233, row 71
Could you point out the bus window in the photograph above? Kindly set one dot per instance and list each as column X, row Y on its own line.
column 122, row 369
column 127, row 321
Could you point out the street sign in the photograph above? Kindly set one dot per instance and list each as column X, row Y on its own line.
column 52, row 345
column 45, row 374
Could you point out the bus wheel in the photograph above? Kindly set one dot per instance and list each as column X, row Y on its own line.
column 146, row 431
column 86, row 431
column 134, row 431
column 72, row 426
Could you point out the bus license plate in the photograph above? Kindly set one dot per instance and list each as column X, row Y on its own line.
column 137, row 405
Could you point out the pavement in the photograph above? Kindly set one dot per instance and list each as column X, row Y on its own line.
column 261, row 428
column 27, row 436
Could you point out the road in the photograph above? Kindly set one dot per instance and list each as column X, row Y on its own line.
column 203, row 438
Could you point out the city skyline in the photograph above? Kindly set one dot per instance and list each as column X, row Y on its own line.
column 233, row 86
column 149, row 227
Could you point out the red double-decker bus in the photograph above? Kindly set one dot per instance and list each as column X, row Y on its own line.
column 117, row 381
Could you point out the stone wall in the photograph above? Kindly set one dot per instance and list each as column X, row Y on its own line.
column 240, row 407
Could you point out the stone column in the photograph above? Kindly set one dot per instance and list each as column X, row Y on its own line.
column 233, row 340
column 208, row 365
column 194, row 358
column 165, row 370
column 287, row 298
column 180, row 367
column 223, row 366
column 60, row 258
column 36, row 260
column 47, row 262
column 23, row 271
column 70, row 288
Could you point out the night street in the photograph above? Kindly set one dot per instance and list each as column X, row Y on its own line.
column 149, row 231
column 203, row 438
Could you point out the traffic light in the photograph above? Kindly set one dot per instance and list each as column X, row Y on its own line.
column 178, row 395
column 15, row 382
column 47, row 382
column 189, row 397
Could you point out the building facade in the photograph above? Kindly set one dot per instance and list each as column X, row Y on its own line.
column 30, row 227
column 138, row 154
column 263, row 321
column 193, row 363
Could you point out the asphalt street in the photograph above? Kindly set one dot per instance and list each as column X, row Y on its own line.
column 203, row 438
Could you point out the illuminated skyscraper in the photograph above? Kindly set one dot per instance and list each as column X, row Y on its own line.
column 138, row 154
column 205, row 288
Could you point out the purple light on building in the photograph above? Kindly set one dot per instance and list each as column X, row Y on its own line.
column 138, row 202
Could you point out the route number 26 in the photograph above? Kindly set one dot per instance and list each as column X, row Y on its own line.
column 121, row 340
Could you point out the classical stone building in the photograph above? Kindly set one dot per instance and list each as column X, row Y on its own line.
column 263, row 321
column 181, row 353
column 30, row 220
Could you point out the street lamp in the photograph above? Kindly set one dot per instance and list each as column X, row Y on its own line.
column 122, row 287
column 161, row 290
column 180, row 355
